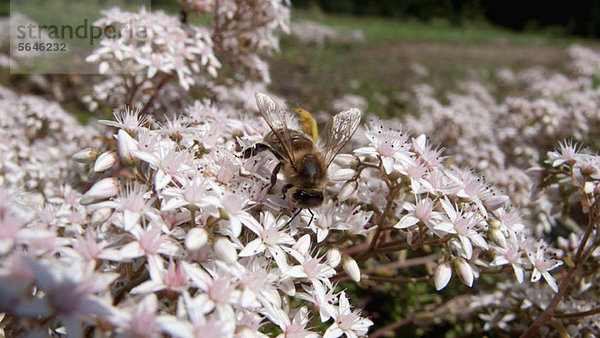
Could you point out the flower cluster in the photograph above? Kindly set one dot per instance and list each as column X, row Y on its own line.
column 37, row 139
column 158, row 58
column 181, row 235
column 170, row 228
column 550, row 108
column 570, row 178
column 502, row 140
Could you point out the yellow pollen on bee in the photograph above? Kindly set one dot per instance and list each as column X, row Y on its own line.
column 308, row 123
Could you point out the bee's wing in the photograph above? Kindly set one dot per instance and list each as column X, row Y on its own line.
column 275, row 117
column 343, row 127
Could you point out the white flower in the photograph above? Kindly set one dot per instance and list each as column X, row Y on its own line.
column 271, row 237
column 542, row 265
column 347, row 321
column 464, row 225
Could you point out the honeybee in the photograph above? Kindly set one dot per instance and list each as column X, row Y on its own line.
column 304, row 164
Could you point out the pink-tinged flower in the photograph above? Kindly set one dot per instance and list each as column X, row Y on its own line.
column 148, row 141
column 167, row 162
column 324, row 220
column 235, row 207
column 510, row 255
column 421, row 211
column 225, row 166
column 347, row 321
column 128, row 119
column 90, row 249
column 422, row 148
column 69, row 292
column 417, row 175
column 469, row 186
column 542, row 265
column 9, row 228
column 567, row 154
column 310, row 267
column 196, row 193
column 38, row 239
column 389, row 145
column 218, row 290
column 133, row 202
column 150, row 243
column 156, row 62
column 464, row 225
column 194, row 322
column 271, row 238
column 322, row 298
column 511, row 219
column 105, row 188
column 139, row 319
column 174, row 280
column 294, row 328
column 257, row 281
column 173, row 127
column 15, row 278
column 442, row 275
column 355, row 221
column 435, row 182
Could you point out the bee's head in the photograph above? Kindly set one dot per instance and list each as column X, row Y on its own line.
column 306, row 198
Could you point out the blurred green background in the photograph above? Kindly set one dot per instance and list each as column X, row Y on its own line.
column 405, row 42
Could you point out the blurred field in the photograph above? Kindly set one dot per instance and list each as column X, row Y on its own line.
column 381, row 67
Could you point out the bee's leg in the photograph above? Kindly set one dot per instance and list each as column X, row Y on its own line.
column 312, row 216
column 274, row 175
column 255, row 149
column 285, row 189
column 294, row 216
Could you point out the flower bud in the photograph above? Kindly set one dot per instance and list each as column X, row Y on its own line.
column 105, row 161
column 86, row 155
column 343, row 174
column 442, row 275
column 225, row 250
column 126, row 145
column 495, row 234
column 196, row 238
column 105, row 188
column 333, row 257
column 351, row 268
column 465, row 271
column 347, row 190
column 345, row 159
column 101, row 215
